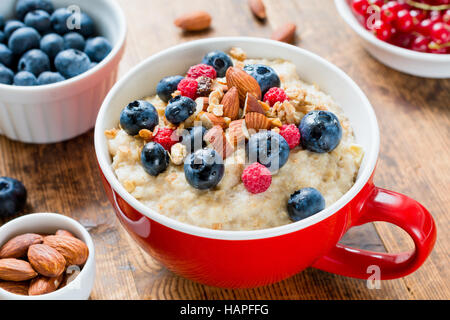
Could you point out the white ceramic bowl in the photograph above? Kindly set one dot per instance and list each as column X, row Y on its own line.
column 412, row 62
column 48, row 223
column 61, row 111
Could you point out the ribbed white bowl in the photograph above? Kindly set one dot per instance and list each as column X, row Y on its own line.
column 61, row 111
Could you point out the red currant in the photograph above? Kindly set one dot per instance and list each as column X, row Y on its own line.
column 387, row 14
column 360, row 6
column 402, row 39
column 435, row 16
column 383, row 30
column 420, row 44
column 378, row 3
column 440, row 32
column 424, row 27
column 404, row 21
column 446, row 16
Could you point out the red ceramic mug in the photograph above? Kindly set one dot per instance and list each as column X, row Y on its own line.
column 242, row 259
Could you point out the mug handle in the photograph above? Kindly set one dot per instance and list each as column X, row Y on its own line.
column 395, row 208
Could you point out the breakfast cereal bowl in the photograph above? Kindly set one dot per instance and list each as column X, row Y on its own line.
column 415, row 63
column 61, row 111
column 48, row 223
column 248, row 258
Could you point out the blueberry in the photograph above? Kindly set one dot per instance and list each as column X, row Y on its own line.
column 179, row 109
column 24, row 39
column 2, row 37
column 6, row 75
column 87, row 26
column 320, row 131
column 73, row 40
column 269, row 149
column 167, row 86
column 59, row 20
column 13, row 197
column 265, row 75
column 154, row 158
column 97, row 48
column 11, row 26
column 138, row 115
column 71, row 63
column 25, row 78
column 52, row 44
column 39, row 20
column 2, row 22
column 34, row 61
column 304, row 203
column 204, row 169
column 192, row 138
column 25, row 6
column 219, row 60
column 6, row 55
column 48, row 77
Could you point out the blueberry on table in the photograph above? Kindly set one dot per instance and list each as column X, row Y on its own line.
column 59, row 20
column 71, row 63
column 25, row 78
column 6, row 55
column 138, row 115
column 11, row 26
column 167, row 86
column 204, row 169
column 192, row 138
column 219, row 60
column 154, row 158
column 34, row 61
column 320, row 131
column 74, row 40
column 269, row 149
column 87, row 26
column 179, row 109
column 13, row 197
column 49, row 77
column 265, row 75
column 24, row 39
column 97, row 48
column 39, row 20
column 304, row 203
column 25, row 6
column 6, row 75
column 52, row 44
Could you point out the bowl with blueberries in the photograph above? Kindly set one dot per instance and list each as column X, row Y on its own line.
column 58, row 60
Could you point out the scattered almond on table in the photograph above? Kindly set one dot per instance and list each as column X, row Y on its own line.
column 285, row 33
column 194, row 21
column 34, row 264
column 258, row 9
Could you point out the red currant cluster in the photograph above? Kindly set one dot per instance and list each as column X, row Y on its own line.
column 419, row 25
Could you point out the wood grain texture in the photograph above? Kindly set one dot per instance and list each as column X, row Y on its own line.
column 414, row 118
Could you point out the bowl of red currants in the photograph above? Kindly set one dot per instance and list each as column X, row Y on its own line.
column 411, row 36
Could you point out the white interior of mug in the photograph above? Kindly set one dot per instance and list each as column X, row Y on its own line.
column 142, row 81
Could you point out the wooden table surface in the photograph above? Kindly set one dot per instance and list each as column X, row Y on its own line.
column 414, row 118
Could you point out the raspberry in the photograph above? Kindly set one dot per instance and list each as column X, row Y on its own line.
column 275, row 95
column 256, row 178
column 166, row 137
column 200, row 70
column 188, row 88
column 291, row 134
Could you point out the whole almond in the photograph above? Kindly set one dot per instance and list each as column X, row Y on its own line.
column 17, row 247
column 46, row 260
column 74, row 250
column 15, row 287
column 285, row 33
column 42, row 285
column 62, row 232
column 258, row 9
column 194, row 21
column 252, row 105
column 230, row 103
column 237, row 132
column 257, row 121
column 244, row 83
column 12, row 269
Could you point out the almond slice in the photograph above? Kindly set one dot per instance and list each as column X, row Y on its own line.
column 210, row 120
column 217, row 139
column 230, row 103
column 237, row 132
column 243, row 82
column 257, row 121
column 252, row 105
column 194, row 21
column 285, row 33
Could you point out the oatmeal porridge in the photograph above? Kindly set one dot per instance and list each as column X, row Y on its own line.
column 233, row 107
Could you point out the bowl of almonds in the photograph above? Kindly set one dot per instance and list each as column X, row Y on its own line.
column 46, row 256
